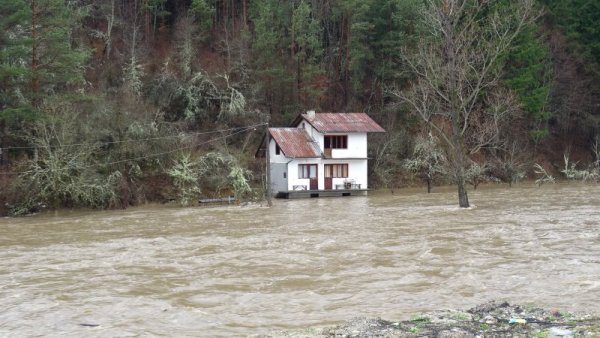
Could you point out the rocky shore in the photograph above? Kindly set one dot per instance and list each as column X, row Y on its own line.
column 494, row 319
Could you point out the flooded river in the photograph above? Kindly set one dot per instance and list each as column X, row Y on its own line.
column 234, row 271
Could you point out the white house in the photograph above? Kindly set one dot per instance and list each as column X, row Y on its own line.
column 322, row 154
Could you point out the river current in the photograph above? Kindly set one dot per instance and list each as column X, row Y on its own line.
column 235, row 271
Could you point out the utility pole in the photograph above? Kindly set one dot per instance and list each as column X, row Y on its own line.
column 268, row 165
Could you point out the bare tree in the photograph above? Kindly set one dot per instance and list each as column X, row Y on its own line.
column 458, row 63
column 510, row 163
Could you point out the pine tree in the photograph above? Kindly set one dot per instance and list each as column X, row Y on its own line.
column 39, row 58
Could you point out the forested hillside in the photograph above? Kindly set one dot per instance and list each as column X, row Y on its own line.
column 111, row 103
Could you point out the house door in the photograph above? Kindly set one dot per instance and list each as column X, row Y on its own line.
column 310, row 171
column 314, row 177
column 328, row 177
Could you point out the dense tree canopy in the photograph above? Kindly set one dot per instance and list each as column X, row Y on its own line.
column 179, row 69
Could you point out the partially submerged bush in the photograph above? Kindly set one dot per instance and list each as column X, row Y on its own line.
column 217, row 172
column 61, row 179
column 476, row 173
column 185, row 175
column 544, row 177
column 428, row 160
column 66, row 171
column 592, row 173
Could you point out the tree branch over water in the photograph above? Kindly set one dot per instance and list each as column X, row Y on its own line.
column 457, row 68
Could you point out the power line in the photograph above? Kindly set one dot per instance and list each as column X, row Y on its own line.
column 245, row 129
column 132, row 140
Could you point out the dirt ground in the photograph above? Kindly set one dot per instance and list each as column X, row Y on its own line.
column 494, row 319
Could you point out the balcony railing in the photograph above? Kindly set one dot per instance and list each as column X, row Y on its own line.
column 348, row 186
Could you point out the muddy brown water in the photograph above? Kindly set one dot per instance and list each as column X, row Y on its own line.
column 234, row 271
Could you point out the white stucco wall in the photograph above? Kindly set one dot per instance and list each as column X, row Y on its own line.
column 274, row 158
column 357, row 146
column 357, row 142
column 357, row 172
column 293, row 172
column 355, row 156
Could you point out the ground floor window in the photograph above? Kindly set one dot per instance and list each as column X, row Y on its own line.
column 307, row 170
column 336, row 170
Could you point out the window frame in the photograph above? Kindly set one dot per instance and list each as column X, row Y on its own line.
column 338, row 170
column 335, row 142
column 306, row 174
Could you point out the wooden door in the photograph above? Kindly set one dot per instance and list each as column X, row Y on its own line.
column 314, row 183
column 328, row 177
column 314, row 176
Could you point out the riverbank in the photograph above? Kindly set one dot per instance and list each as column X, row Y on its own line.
column 493, row 319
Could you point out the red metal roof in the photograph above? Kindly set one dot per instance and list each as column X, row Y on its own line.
column 342, row 123
column 295, row 142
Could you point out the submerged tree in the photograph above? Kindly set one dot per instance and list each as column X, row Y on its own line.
column 428, row 160
column 459, row 62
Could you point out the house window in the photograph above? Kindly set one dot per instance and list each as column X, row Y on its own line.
column 307, row 171
column 336, row 170
column 336, row 141
column 277, row 149
column 284, row 174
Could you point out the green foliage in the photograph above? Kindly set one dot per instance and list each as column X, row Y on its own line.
column 529, row 74
column 197, row 99
column 388, row 152
column 158, row 10
column 222, row 172
column 378, row 32
column 306, row 45
column 218, row 172
column 203, row 11
column 186, row 36
column 270, row 46
column 579, row 21
column 66, row 172
column 60, row 60
column 428, row 159
column 14, row 58
column 185, row 175
column 475, row 173
column 134, row 72
column 239, row 178
column 212, row 63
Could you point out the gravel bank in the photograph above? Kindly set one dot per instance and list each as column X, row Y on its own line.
column 494, row 319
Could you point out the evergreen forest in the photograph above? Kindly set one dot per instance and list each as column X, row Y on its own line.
column 114, row 103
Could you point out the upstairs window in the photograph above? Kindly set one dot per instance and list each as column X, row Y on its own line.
column 336, row 141
column 277, row 149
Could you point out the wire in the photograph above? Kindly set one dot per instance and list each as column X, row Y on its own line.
column 133, row 140
column 245, row 129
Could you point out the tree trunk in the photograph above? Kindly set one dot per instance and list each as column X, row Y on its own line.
column 463, row 200
column 35, row 80
column 109, row 27
column 245, row 14
column 459, row 169
column 147, row 21
column 428, row 185
column 450, row 46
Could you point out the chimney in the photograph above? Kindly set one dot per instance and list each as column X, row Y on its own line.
column 310, row 114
